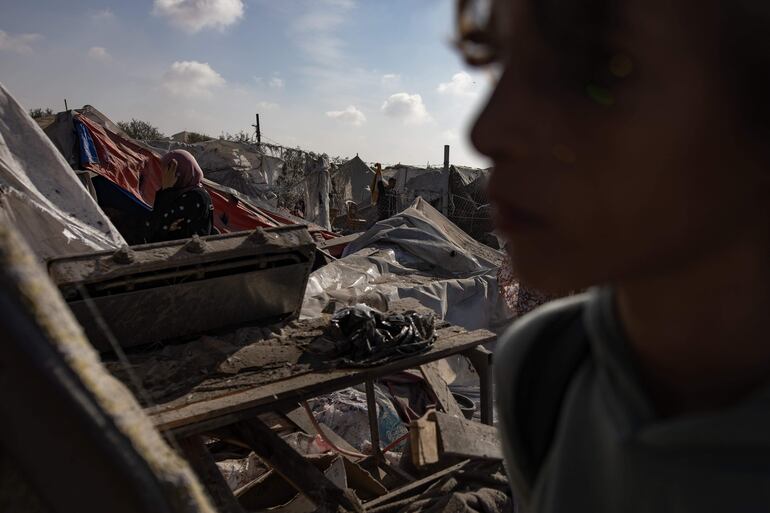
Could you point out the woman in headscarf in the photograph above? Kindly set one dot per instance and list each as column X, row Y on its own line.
column 182, row 206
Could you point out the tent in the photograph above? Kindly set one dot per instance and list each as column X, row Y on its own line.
column 41, row 195
column 417, row 254
column 353, row 179
column 128, row 175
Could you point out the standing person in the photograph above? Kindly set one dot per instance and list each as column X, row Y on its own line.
column 385, row 196
column 629, row 142
column 182, row 206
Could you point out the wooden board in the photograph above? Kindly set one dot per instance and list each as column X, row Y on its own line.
column 415, row 487
column 424, row 441
column 299, row 417
column 444, row 397
column 295, row 469
column 220, row 411
column 461, row 438
column 199, row 458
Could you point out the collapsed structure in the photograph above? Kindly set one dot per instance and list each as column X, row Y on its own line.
column 290, row 368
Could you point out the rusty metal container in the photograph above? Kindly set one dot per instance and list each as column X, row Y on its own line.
column 183, row 289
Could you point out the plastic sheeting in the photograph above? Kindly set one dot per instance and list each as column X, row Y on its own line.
column 41, row 195
column 317, row 191
column 354, row 178
column 123, row 161
column 416, row 254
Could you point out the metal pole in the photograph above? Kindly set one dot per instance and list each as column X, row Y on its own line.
column 65, row 105
column 446, row 158
column 446, row 200
column 257, row 131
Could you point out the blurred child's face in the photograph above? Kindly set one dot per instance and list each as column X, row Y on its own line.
column 605, row 186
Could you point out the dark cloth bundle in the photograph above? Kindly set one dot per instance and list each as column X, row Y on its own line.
column 365, row 337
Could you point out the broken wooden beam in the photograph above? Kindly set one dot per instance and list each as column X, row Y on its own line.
column 441, row 437
column 415, row 487
column 462, row 438
column 295, row 469
column 198, row 456
column 444, row 398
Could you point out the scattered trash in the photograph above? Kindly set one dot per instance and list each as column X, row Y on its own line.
column 345, row 412
column 239, row 472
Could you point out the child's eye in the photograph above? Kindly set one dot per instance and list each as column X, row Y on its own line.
column 476, row 39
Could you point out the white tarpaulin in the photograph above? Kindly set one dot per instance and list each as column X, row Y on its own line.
column 416, row 254
column 317, row 189
column 41, row 195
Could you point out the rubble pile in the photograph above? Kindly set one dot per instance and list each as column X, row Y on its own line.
column 290, row 367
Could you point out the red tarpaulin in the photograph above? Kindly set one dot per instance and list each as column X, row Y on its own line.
column 124, row 163
column 137, row 170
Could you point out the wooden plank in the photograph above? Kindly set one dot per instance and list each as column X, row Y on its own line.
column 197, row 455
column 300, row 473
column 423, row 440
column 338, row 241
column 452, row 340
column 481, row 359
column 299, row 417
column 446, row 401
column 374, row 425
column 463, row 438
column 416, row 487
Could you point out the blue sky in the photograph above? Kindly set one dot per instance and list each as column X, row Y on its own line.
column 375, row 77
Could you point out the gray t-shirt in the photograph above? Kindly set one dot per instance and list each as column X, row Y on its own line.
column 580, row 434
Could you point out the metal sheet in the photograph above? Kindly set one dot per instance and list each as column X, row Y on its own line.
column 167, row 292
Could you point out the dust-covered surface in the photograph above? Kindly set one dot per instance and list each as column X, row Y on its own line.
column 215, row 365
column 212, row 366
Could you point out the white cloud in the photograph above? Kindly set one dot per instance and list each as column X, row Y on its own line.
column 18, row 43
column 351, row 116
column 462, row 84
column 268, row 106
column 192, row 78
column 406, row 107
column 390, row 77
column 102, row 15
column 450, row 135
column 276, row 83
column 99, row 53
column 346, row 4
column 317, row 31
column 195, row 15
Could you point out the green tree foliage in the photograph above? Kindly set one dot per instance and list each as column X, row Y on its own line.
column 39, row 113
column 140, row 130
column 238, row 137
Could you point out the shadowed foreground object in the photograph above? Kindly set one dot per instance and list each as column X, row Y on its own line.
column 73, row 432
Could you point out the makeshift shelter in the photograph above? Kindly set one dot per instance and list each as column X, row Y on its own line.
column 239, row 166
column 418, row 254
column 41, row 195
column 353, row 180
column 468, row 205
column 432, row 184
column 127, row 175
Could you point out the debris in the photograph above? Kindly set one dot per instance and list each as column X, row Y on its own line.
column 451, row 439
column 479, row 487
column 345, row 413
column 424, row 441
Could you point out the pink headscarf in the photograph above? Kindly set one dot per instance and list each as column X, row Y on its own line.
column 188, row 172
